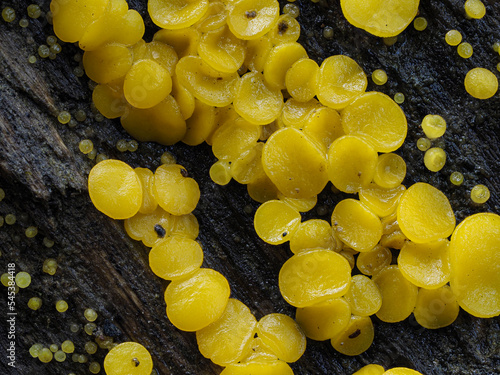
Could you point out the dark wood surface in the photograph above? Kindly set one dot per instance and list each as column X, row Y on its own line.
column 44, row 178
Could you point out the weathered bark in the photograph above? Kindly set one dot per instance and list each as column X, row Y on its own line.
column 44, row 177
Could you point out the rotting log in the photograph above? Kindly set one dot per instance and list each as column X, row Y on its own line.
column 44, row 177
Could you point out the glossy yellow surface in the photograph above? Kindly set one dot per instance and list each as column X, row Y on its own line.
column 115, row 189
column 196, row 302
column 475, row 264
column 313, row 276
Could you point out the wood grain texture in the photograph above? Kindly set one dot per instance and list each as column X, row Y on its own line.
column 44, row 177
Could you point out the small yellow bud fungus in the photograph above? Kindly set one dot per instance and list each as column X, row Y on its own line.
column 5, row 279
column 64, row 117
column 47, row 242
column 399, row 98
column 457, row 178
column 89, row 328
column 435, row 159
column 60, row 356
column 379, row 77
column 45, row 355
column 94, row 367
column 8, row 14
column 132, row 145
column 420, row 23
column 23, row 22
column 90, row 315
column 31, row 232
column 32, row 59
column 465, row 50
column 480, row 194
column 2, row 194
column 122, row 145
column 82, row 358
column 74, row 327
column 34, row 11
column 61, row 306
column 51, row 39
column 35, row 350
column 291, row 9
column 475, row 9
column 453, row 37
column 49, row 266
column 100, row 157
column 434, row 126
column 68, row 347
column 390, row 41
column 90, row 347
column 481, row 83
column 86, row 146
column 328, row 32
column 423, row 144
column 23, row 279
column 168, row 158
column 35, row 303
column 10, row 219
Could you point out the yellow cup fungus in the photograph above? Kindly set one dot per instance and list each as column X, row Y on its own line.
column 196, row 302
column 229, row 338
column 282, row 335
column 424, row 214
column 356, row 338
column 340, row 80
column 480, row 194
column 311, row 234
column 436, row 308
column 175, row 192
column 370, row 370
column 115, row 189
column 475, row 264
column 275, row 222
column 363, row 296
column 434, row 126
column 356, row 225
column 296, row 175
column 313, row 276
column 128, row 358
column 250, row 19
column 481, row 83
column 376, row 118
column 435, row 159
column 427, row 265
column 399, row 296
column 324, row 320
column 453, row 37
column 178, row 14
column 351, row 163
column 380, row 18
column 474, row 9
column 175, row 257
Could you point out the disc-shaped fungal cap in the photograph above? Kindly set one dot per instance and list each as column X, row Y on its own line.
column 296, row 174
column 384, row 18
column 481, row 83
column 196, row 302
column 71, row 18
column 128, row 358
column 205, row 83
column 425, row 214
column 250, row 19
column 115, row 189
column 376, row 118
column 162, row 123
column 255, row 100
column 475, row 264
column 340, row 80
column 176, row 14
column 314, row 276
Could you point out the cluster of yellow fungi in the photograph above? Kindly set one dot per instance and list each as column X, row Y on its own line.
column 217, row 72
